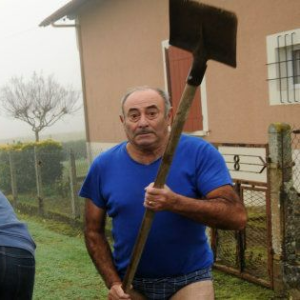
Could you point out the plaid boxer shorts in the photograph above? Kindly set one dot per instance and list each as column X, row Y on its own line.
column 164, row 288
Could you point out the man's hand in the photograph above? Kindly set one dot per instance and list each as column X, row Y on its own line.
column 158, row 199
column 116, row 292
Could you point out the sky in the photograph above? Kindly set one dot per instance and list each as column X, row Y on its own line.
column 26, row 48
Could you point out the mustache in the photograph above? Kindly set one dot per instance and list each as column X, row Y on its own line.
column 144, row 131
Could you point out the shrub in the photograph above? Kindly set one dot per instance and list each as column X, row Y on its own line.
column 78, row 148
column 50, row 158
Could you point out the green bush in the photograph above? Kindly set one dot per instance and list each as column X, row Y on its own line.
column 50, row 158
column 78, row 148
column 5, row 185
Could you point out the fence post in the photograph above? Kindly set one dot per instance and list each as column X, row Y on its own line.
column 275, row 181
column 73, row 186
column 13, row 178
column 286, row 269
column 38, row 165
column 291, row 215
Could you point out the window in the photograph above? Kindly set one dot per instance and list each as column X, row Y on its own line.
column 283, row 51
column 296, row 66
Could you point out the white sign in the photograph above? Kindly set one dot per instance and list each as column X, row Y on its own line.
column 246, row 163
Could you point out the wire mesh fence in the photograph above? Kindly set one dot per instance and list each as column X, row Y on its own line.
column 46, row 180
column 226, row 248
column 257, row 237
column 247, row 252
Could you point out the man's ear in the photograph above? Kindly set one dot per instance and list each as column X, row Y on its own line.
column 121, row 118
column 170, row 116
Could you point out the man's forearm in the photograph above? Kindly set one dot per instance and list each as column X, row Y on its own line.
column 214, row 212
column 99, row 251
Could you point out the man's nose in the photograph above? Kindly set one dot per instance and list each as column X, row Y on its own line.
column 143, row 121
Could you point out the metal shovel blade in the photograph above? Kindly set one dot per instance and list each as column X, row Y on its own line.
column 206, row 31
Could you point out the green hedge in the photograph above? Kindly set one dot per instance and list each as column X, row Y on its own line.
column 50, row 157
column 78, row 147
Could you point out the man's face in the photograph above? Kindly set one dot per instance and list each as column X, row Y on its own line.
column 144, row 121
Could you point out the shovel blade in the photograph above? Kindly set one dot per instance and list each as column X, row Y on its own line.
column 206, row 31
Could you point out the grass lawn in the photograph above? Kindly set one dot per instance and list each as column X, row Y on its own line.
column 65, row 271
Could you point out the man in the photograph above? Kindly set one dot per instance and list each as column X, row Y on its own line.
column 17, row 262
column 176, row 262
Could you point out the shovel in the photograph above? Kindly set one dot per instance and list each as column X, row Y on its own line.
column 208, row 33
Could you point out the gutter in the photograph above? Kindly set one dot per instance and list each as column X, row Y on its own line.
column 69, row 10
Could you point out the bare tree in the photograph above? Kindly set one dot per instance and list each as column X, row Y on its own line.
column 40, row 102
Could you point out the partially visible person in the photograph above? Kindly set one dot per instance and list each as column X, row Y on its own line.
column 17, row 255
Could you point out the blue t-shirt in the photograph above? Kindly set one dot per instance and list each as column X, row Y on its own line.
column 13, row 233
column 176, row 245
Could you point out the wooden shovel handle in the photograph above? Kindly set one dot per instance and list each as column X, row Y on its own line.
column 177, row 127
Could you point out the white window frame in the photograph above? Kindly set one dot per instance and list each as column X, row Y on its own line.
column 282, row 90
column 165, row 45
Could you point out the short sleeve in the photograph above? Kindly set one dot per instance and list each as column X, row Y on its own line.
column 212, row 171
column 91, row 187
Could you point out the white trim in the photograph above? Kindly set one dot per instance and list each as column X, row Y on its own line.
column 204, row 105
column 165, row 45
column 198, row 133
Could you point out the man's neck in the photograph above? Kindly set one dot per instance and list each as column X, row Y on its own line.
column 145, row 155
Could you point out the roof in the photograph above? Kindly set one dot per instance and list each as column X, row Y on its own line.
column 69, row 10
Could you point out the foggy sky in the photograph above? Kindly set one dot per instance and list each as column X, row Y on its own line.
column 25, row 47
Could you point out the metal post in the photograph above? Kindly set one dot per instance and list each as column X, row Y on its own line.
column 13, row 178
column 73, row 186
column 38, row 165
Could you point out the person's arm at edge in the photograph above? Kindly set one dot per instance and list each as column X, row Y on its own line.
column 99, row 249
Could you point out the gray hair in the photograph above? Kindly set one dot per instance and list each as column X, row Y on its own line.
column 159, row 91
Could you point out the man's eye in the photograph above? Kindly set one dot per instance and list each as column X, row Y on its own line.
column 133, row 117
column 152, row 114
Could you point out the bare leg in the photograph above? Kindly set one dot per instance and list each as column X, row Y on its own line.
column 201, row 290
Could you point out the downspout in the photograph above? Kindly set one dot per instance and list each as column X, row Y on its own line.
column 80, row 48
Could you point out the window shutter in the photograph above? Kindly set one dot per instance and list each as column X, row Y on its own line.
column 178, row 66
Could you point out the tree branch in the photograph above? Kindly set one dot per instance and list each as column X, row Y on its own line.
column 40, row 102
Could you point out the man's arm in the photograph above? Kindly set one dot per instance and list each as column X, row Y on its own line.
column 99, row 249
column 222, row 207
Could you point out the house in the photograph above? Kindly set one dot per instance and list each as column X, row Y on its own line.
column 124, row 44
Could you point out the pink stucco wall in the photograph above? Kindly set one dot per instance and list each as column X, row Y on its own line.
column 121, row 48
